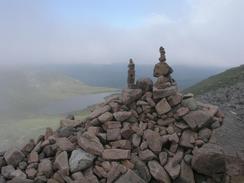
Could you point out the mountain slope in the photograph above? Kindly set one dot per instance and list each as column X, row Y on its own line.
column 225, row 79
column 25, row 89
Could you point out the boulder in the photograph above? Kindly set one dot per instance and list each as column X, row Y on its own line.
column 14, row 156
column 80, row 160
column 209, row 160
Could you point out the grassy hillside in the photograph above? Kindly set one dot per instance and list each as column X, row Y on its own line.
column 27, row 89
column 224, row 79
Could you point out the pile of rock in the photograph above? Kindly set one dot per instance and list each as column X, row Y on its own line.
column 150, row 133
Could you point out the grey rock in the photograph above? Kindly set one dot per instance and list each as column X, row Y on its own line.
column 186, row 174
column 142, row 170
column 80, row 160
column 7, row 171
column 65, row 131
column 191, row 103
column 146, row 84
column 14, row 156
column 158, row 172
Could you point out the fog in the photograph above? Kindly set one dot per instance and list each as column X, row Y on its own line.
column 194, row 32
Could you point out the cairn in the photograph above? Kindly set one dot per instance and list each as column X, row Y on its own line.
column 131, row 74
column 150, row 133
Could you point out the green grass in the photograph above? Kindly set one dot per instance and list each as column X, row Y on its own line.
column 16, row 132
column 224, row 79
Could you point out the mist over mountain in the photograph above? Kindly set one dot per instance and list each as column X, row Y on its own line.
column 114, row 75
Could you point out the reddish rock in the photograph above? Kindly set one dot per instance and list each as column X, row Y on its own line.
column 113, row 134
column 61, row 163
column 187, row 138
column 90, row 143
column 158, row 172
column 107, row 116
column 153, row 140
column 163, row 158
column 127, row 131
column 14, row 156
column 122, row 115
column 112, row 124
column 33, row 157
column 115, row 171
column 131, row 95
column 162, row 93
column 31, row 173
column 198, row 119
column 27, row 148
column 162, row 107
column 99, row 171
column 99, row 111
column 130, row 177
column 45, row 168
column 175, row 99
column 64, row 144
column 182, row 111
column 121, row 144
column 209, row 160
column 116, row 154
column 146, row 155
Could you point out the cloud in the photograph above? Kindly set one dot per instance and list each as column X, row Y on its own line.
column 210, row 33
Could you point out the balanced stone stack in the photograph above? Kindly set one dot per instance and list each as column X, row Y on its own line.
column 152, row 133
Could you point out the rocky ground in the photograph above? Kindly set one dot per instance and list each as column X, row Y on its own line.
column 230, row 136
column 148, row 134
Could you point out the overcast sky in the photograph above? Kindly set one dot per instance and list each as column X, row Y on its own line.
column 196, row 32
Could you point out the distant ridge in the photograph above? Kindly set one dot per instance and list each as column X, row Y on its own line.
column 225, row 79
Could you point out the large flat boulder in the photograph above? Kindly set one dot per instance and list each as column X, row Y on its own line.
column 209, row 160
